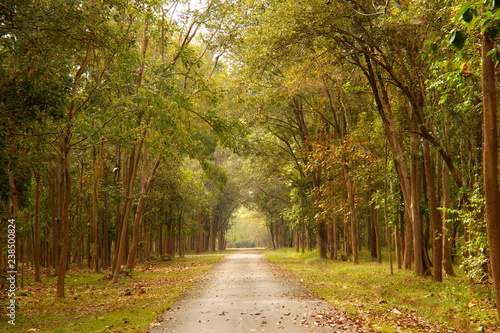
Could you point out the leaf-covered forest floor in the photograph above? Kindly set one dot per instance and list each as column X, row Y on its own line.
column 92, row 304
column 401, row 302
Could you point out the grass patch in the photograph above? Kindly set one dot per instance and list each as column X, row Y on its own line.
column 401, row 302
column 92, row 304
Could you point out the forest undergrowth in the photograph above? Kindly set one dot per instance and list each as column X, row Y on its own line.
column 93, row 304
column 401, row 302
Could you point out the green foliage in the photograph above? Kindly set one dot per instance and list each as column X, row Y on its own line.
column 458, row 38
column 247, row 229
column 478, row 15
column 469, row 14
column 475, row 249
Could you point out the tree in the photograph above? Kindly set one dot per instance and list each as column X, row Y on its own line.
column 490, row 155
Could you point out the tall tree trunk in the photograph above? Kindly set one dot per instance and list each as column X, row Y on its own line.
column 146, row 183
column 53, row 199
column 370, row 235
column 333, row 240
column 322, row 239
column 106, row 253
column 415, row 203
column 270, row 228
column 447, row 262
column 127, row 207
column 221, row 240
column 65, row 191
column 98, row 166
column 347, row 240
column 310, row 243
column 352, row 211
column 388, row 230
column 435, row 217
column 199, row 236
column 13, row 195
column 36, row 239
column 407, row 239
column 169, row 240
column 375, row 220
column 211, row 230
column 120, row 173
column 302, row 235
column 396, row 147
column 400, row 240
column 147, row 232
column 133, row 166
column 65, row 232
column 160, row 240
column 82, row 240
column 490, row 160
column 296, row 240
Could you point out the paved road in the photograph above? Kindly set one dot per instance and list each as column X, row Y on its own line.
column 247, row 293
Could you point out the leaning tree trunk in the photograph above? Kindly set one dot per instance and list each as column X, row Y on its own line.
column 133, row 165
column 384, row 109
column 490, row 161
column 146, row 183
column 127, row 207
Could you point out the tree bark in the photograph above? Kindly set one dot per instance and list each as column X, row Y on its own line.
column 447, row 262
column 146, row 183
column 65, row 232
column 65, row 191
column 490, row 160
column 211, row 229
column 133, row 165
column 396, row 147
column 436, row 222
column 375, row 220
column 415, row 204
column 352, row 211
column 322, row 240
column 36, row 238
column 98, row 165
column 106, row 253
column 14, row 195
column 127, row 207
column 55, row 216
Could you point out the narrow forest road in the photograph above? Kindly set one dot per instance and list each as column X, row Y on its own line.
column 247, row 293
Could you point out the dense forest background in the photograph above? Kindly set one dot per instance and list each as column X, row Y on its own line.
column 133, row 130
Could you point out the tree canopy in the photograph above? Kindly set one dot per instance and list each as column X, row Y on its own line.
column 133, row 130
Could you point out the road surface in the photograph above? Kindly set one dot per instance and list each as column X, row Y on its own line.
column 245, row 292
